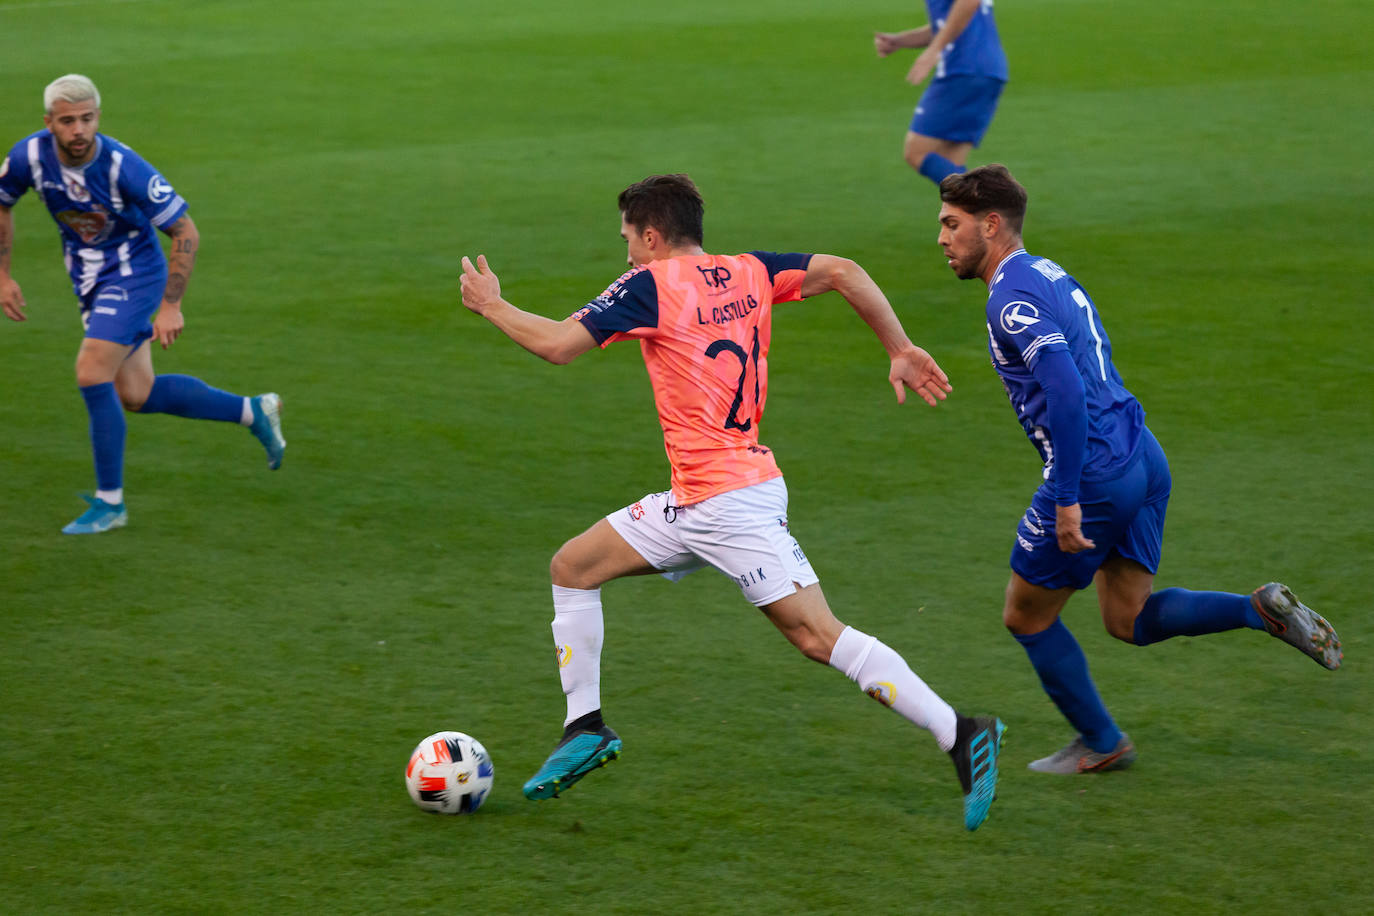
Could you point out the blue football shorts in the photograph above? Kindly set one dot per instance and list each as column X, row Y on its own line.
column 1122, row 516
column 122, row 310
column 957, row 108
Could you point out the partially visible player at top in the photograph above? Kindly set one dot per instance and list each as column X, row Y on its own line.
column 107, row 200
column 1099, row 514
column 703, row 322
column 963, row 51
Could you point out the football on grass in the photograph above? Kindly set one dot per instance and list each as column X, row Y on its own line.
column 449, row 773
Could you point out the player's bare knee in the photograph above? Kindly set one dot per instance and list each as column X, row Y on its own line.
column 88, row 374
column 1121, row 629
column 561, row 571
column 811, row 644
column 1119, row 620
column 132, row 399
column 567, row 569
column 1024, row 620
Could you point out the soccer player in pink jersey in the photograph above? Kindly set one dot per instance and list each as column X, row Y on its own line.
column 703, row 323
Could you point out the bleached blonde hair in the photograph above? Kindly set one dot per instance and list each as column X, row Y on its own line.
column 70, row 88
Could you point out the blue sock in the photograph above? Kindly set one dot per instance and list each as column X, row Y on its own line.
column 937, row 167
column 1057, row 658
column 187, row 396
column 107, row 434
column 1179, row 612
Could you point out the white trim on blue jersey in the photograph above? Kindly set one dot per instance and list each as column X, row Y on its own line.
column 116, row 199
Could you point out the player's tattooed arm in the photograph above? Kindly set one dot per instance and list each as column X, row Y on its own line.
column 168, row 324
column 185, row 243
column 6, row 238
column 11, row 296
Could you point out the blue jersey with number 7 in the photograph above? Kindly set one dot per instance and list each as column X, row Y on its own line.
column 1035, row 307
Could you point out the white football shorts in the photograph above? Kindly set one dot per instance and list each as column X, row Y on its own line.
column 742, row 533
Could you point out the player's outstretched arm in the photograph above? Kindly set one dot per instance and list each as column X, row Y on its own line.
column 887, row 42
column 912, row 367
column 11, row 296
column 559, row 342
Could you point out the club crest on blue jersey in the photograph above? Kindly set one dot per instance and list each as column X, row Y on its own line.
column 76, row 190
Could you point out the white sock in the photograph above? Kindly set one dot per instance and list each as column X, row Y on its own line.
column 885, row 677
column 246, row 416
column 577, row 633
column 113, row 497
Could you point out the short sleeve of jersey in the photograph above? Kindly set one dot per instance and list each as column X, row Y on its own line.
column 786, row 272
column 628, row 305
column 1020, row 325
column 144, row 188
column 14, row 175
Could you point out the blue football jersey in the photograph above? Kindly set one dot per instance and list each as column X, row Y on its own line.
column 1034, row 307
column 978, row 49
column 107, row 209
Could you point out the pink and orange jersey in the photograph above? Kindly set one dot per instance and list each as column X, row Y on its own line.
column 704, row 323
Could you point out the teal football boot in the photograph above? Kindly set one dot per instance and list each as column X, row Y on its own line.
column 101, row 516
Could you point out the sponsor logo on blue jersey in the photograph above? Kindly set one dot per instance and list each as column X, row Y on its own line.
column 159, row 191
column 1019, row 315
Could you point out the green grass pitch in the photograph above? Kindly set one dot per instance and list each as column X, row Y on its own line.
column 210, row 711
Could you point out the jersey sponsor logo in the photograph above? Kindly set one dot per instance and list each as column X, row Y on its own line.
column 105, row 310
column 714, row 276
column 1017, row 316
column 91, row 225
column 637, row 511
column 159, row 191
column 597, row 305
column 117, row 293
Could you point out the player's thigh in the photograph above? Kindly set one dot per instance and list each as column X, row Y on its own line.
column 1123, row 586
column 134, row 379
column 805, row 618
column 746, row 535
column 98, row 361
column 596, row 556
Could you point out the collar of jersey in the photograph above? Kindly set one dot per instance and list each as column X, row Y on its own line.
column 996, row 274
